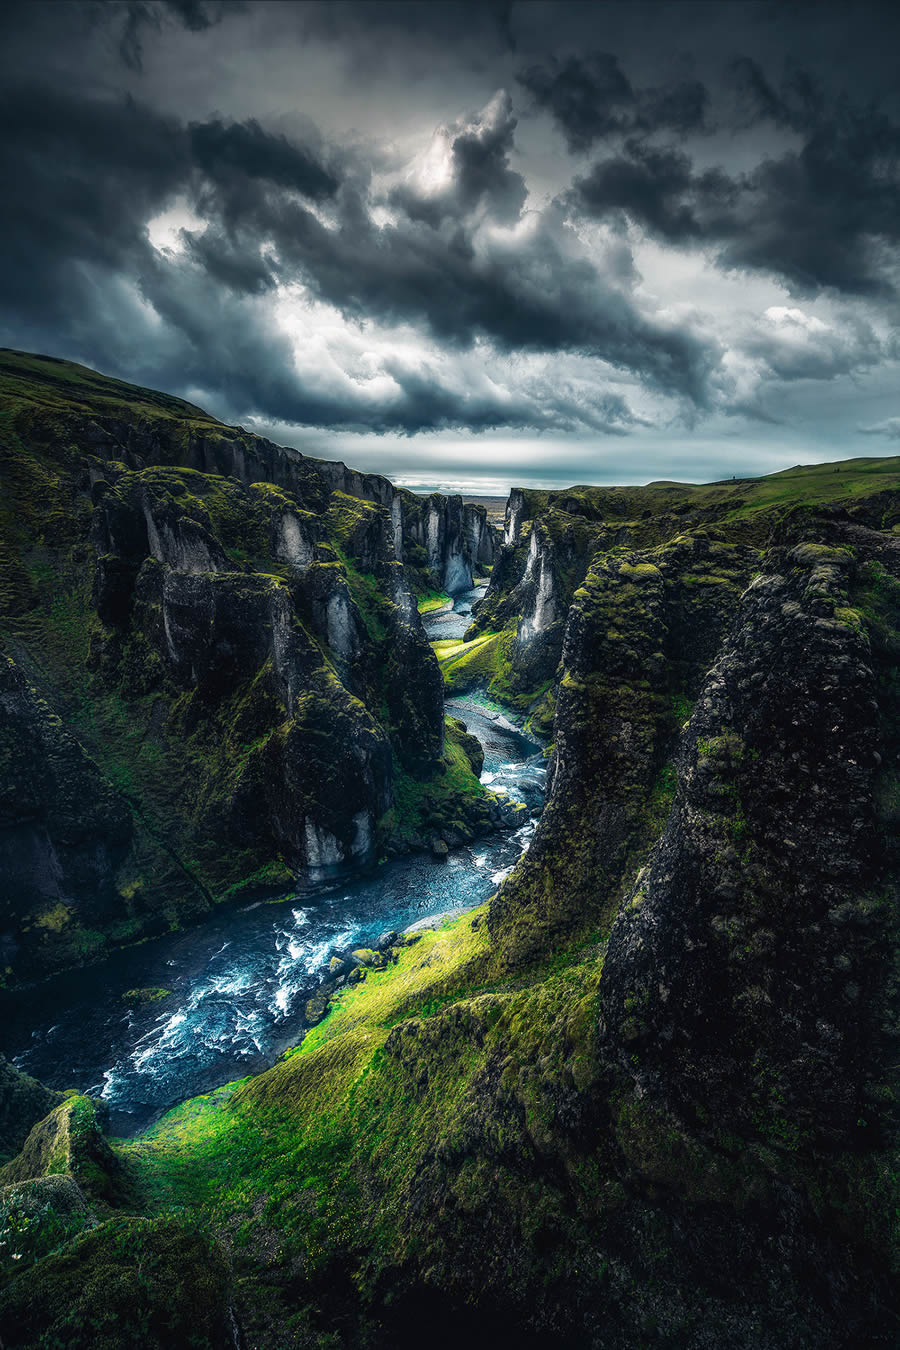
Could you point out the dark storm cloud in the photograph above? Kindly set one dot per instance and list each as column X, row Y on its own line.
column 797, row 103
column 87, row 175
column 539, row 293
column 350, row 277
column 818, row 216
column 93, row 172
column 242, row 150
column 483, row 29
column 481, row 175
column 133, row 20
column 658, row 188
column 591, row 98
column 241, row 269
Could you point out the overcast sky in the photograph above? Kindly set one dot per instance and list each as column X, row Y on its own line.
column 469, row 245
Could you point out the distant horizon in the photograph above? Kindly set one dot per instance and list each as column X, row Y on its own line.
column 367, row 454
column 461, row 490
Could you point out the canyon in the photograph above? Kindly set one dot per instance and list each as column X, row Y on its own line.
column 645, row 1090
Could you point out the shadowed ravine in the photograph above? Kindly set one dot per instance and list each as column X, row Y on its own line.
column 238, row 984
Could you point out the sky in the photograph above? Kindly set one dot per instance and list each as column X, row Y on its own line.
column 469, row 245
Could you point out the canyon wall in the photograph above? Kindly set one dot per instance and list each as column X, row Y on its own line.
column 214, row 673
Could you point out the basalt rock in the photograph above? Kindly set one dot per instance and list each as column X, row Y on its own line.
column 455, row 537
column 639, row 635
column 748, row 964
column 221, row 679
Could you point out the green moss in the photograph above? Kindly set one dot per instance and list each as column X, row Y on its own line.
column 471, row 664
column 160, row 1285
column 136, row 998
column 370, row 599
column 434, row 600
column 69, row 1141
column 450, row 796
column 38, row 1217
column 638, row 571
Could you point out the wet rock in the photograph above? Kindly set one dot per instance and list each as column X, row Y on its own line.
column 439, row 848
column 387, row 939
column 316, row 1007
column 515, row 814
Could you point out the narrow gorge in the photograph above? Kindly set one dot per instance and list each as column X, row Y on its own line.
column 415, row 930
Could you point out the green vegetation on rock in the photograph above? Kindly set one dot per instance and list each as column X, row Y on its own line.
column 213, row 666
column 649, row 1093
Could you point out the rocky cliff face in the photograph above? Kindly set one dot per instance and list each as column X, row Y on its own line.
column 748, row 961
column 529, row 594
column 452, row 539
column 218, row 680
column 637, row 637
column 550, row 540
column 649, row 1095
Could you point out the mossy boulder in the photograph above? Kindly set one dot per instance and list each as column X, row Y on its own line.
column 130, row 1284
column 23, row 1102
column 69, row 1141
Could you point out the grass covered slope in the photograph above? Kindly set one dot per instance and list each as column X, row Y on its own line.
column 454, row 1145
column 220, row 678
column 373, row 1137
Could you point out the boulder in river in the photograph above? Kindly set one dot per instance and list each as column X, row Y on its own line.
column 515, row 813
column 316, row 1007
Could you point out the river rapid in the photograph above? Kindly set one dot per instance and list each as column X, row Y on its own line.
column 238, row 983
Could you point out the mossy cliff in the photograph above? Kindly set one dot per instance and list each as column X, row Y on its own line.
column 640, row 635
column 550, row 539
column 648, row 1094
column 213, row 684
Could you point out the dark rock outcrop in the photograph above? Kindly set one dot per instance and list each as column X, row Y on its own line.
column 747, row 964
column 64, row 829
column 637, row 638
column 23, row 1102
column 235, row 683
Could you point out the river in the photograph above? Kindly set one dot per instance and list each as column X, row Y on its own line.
column 238, row 983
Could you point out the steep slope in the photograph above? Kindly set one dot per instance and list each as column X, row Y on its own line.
column 214, row 677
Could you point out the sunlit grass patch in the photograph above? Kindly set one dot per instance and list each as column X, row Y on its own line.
column 434, row 600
